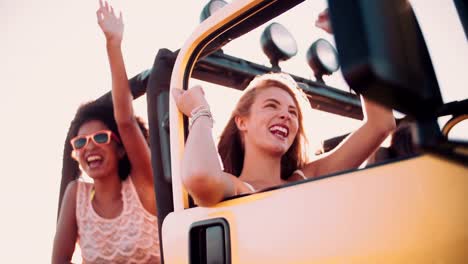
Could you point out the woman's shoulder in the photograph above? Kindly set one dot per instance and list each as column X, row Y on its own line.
column 311, row 169
column 298, row 175
column 79, row 190
column 76, row 185
column 71, row 193
column 241, row 187
column 81, row 184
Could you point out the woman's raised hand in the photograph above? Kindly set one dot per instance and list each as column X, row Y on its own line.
column 190, row 99
column 111, row 25
column 323, row 21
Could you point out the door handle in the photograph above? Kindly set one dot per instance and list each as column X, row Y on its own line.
column 210, row 242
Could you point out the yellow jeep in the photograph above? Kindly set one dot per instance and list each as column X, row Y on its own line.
column 409, row 208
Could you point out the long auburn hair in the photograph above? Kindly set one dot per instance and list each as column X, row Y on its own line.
column 231, row 146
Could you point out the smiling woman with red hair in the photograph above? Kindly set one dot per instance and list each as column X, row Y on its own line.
column 264, row 143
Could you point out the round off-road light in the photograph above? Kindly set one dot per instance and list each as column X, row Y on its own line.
column 277, row 43
column 322, row 58
column 211, row 8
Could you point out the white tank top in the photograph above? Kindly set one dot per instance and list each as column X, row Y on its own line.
column 131, row 237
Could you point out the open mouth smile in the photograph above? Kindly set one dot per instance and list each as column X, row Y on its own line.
column 94, row 161
column 280, row 131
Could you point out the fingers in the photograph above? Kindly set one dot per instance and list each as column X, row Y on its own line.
column 99, row 16
column 106, row 11
column 197, row 88
column 103, row 7
column 189, row 100
column 106, row 6
column 323, row 21
column 195, row 91
column 177, row 93
column 324, row 14
column 100, row 12
column 319, row 24
column 325, row 26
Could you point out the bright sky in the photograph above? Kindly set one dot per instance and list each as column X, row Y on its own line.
column 55, row 59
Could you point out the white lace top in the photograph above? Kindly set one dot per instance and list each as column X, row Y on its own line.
column 131, row 237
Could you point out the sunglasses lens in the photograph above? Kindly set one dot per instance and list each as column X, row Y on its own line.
column 101, row 138
column 79, row 143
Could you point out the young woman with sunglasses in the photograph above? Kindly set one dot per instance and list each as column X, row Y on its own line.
column 114, row 218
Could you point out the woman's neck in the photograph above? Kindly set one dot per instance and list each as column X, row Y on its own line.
column 107, row 189
column 261, row 169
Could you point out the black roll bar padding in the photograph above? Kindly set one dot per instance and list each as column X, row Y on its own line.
column 234, row 72
column 158, row 110
column 454, row 108
column 137, row 84
column 70, row 169
column 269, row 10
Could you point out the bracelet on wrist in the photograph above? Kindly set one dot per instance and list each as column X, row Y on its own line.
column 200, row 111
column 198, row 108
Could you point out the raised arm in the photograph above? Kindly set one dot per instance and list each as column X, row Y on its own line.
column 358, row 146
column 133, row 140
column 201, row 170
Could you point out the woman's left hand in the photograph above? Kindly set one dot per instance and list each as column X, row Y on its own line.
column 189, row 100
column 111, row 25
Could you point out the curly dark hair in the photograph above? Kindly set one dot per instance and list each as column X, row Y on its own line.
column 102, row 111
